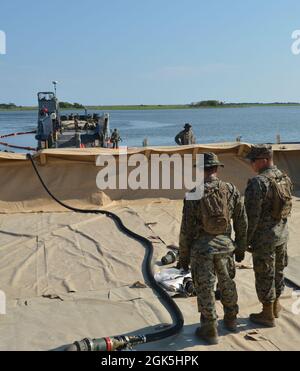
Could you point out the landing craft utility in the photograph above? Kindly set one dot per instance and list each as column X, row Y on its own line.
column 69, row 131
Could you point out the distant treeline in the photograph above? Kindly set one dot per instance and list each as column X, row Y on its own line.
column 194, row 105
column 62, row 105
column 8, row 106
column 67, row 105
column 216, row 103
column 207, row 103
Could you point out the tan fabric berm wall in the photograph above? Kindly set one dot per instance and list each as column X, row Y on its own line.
column 71, row 175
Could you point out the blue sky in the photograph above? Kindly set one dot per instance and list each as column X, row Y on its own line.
column 150, row 52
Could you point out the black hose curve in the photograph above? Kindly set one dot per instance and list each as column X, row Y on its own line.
column 169, row 303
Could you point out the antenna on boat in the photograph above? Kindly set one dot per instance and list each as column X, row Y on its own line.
column 55, row 85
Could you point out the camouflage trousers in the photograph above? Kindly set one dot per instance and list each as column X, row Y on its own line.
column 269, row 263
column 206, row 269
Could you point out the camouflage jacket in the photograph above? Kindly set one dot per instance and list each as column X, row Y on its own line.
column 185, row 138
column 115, row 137
column 193, row 236
column 263, row 229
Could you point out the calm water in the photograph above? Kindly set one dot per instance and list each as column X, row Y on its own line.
column 255, row 125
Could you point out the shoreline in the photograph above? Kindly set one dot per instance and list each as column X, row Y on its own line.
column 157, row 107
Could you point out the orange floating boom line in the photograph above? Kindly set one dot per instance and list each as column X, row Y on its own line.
column 18, row 147
column 16, row 134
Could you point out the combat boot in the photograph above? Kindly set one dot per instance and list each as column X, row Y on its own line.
column 277, row 308
column 230, row 323
column 266, row 317
column 208, row 332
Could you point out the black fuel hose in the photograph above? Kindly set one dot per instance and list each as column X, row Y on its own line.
column 169, row 303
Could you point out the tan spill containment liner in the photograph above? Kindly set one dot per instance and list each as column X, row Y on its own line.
column 68, row 276
column 71, row 175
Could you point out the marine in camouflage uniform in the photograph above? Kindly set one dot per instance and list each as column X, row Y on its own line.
column 186, row 137
column 212, row 256
column 115, row 138
column 267, row 236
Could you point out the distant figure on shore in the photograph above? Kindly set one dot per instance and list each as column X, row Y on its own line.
column 186, row 137
column 115, row 138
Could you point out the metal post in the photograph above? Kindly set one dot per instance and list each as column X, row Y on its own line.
column 54, row 84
